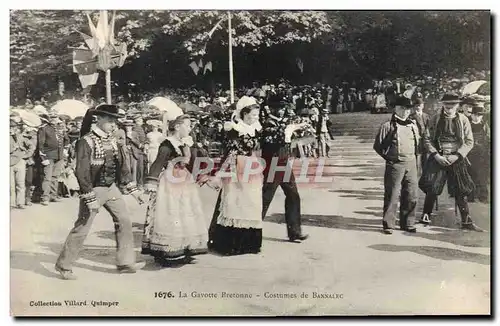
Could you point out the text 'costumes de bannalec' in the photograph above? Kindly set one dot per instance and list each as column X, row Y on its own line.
column 236, row 226
column 103, row 174
column 175, row 225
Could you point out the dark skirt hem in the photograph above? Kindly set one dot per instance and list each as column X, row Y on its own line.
column 173, row 254
column 229, row 241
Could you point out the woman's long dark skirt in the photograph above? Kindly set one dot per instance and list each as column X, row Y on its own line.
column 227, row 240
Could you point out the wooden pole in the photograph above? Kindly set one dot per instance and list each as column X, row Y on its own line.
column 108, row 86
column 104, row 13
column 231, row 78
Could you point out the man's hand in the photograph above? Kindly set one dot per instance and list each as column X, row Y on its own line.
column 143, row 198
column 452, row 159
column 94, row 206
column 140, row 197
column 150, row 188
column 441, row 160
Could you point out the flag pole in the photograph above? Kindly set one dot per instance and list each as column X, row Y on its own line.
column 108, row 72
column 231, row 80
column 108, row 86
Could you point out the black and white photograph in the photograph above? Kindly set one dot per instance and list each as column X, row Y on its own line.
column 231, row 162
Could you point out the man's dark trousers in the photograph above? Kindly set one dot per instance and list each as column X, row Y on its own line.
column 400, row 184
column 292, row 200
column 140, row 169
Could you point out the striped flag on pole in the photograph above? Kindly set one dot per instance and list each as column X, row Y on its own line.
column 85, row 65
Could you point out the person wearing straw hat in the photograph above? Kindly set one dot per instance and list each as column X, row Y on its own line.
column 448, row 140
column 50, row 152
column 20, row 150
column 103, row 174
column 479, row 156
column 119, row 132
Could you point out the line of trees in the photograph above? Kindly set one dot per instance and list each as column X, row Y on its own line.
column 332, row 45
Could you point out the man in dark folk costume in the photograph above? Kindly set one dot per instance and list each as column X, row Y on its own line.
column 398, row 143
column 273, row 145
column 448, row 141
column 479, row 156
column 103, row 174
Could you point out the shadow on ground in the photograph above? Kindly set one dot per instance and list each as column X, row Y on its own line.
column 34, row 262
column 333, row 221
column 437, row 253
column 361, row 194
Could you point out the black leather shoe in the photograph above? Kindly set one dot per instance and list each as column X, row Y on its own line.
column 410, row 229
column 300, row 237
column 425, row 219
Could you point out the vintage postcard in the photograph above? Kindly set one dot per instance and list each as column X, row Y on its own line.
column 250, row 163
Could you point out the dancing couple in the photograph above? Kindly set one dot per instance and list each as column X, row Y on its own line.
column 175, row 228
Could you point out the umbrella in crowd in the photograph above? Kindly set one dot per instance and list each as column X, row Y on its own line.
column 29, row 118
column 473, row 87
column 72, row 108
column 190, row 107
column 171, row 109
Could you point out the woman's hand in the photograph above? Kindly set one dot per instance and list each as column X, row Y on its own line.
column 203, row 179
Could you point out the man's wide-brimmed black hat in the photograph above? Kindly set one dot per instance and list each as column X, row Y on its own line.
column 403, row 101
column 100, row 110
column 107, row 110
column 450, row 98
column 418, row 101
column 479, row 110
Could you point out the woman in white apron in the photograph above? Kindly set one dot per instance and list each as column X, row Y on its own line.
column 175, row 227
column 237, row 223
